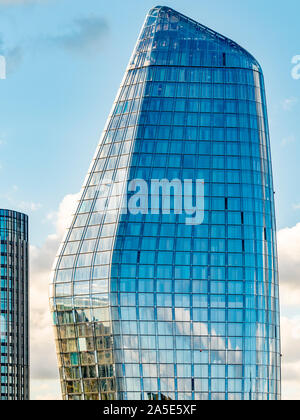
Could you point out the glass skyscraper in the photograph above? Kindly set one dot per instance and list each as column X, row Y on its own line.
column 14, row 363
column 147, row 305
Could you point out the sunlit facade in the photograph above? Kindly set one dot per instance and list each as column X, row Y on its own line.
column 146, row 306
column 14, row 306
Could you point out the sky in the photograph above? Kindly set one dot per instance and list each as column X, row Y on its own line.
column 65, row 60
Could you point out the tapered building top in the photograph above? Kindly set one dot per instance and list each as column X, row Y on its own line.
column 188, row 42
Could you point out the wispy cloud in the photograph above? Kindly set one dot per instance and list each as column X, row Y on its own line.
column 289, row 103
column 2, row 140
column 42, row 339
column 14, row 2
column 288, row 140
column 290, row 332
column 289, row 264
column 11, row 199
column 84, row 35
column 29, row 206
column 12, row 56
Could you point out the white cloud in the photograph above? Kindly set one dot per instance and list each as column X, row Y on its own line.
column 63, row 217
column 289, row 271
column 29, row 206
column 290, row 334
column 289, row 264
column 2, row 139
column 43, row 357
column 11, row 199
column 289, row 103
column 288, row 140
column 13, row 2
column 42, row 390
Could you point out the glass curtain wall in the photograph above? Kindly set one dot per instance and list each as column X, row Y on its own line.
column 14, row 306
column 146, row 306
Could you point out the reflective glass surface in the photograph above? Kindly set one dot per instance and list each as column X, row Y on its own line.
column 14, row 306
column 144, row 305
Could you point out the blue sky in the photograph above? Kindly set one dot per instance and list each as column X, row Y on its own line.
column 65, row 61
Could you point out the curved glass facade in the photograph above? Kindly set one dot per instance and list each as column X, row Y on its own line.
column 145, row 304
column 14, row 306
